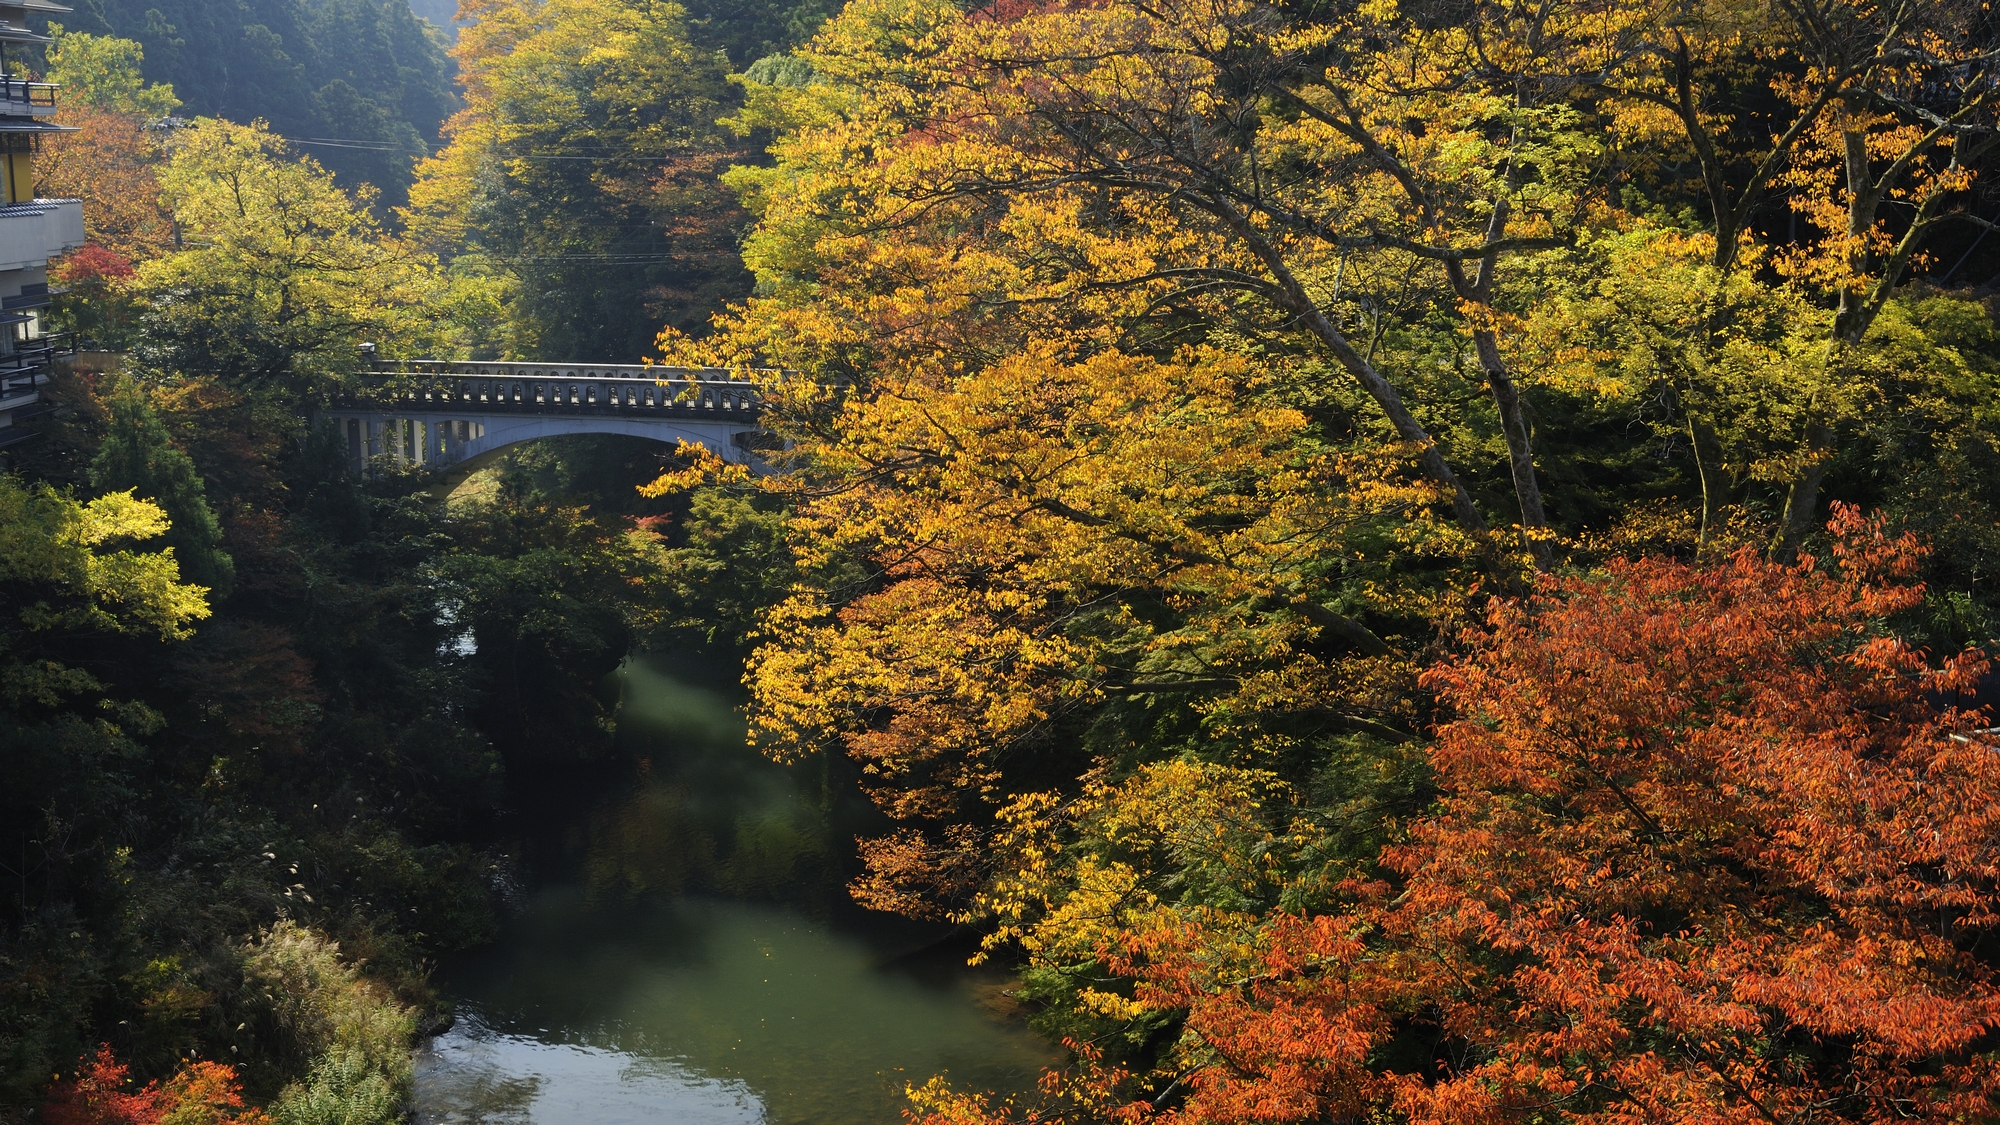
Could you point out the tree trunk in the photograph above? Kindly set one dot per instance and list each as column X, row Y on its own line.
column 1708, row 466
column 1802, row 503
column 1506, row 394
column 1293, row 296
column 1520, row 451
column 1385, row 395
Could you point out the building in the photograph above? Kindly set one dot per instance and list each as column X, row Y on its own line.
column 31, row 230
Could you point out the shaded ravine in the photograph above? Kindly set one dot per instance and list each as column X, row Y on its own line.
column 689, row 956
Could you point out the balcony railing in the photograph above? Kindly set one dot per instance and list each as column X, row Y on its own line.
column 25, row 371
column 21, row 92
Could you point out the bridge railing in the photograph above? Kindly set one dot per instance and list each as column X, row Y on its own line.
column 430, row 386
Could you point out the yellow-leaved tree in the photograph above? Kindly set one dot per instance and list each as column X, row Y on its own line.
column 1155, row 373
column 75, row 568
column 1015, row 569
column 580, row 175
column 281, row 275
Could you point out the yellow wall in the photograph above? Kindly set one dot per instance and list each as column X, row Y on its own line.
column 20, row 176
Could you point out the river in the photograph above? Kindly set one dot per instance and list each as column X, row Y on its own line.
column 681, row 951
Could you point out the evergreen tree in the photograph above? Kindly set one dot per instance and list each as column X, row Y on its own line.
column 365, row 83
column 137, row 454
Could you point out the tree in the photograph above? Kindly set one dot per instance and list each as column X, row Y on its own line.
column 110, row 162
column 550, row 598
column 200, row 1093
column 77, row 598
column 585, row 163
column 748, row 32
column 1707, row 847
column 1730, row 369
column 69, row 567
column 138, row 457
column 1014, row 575
column 1236, row 165
column 1876, row 171
column 1392, row 192
column 102, row 72
column 284, row 275
column 95, row 304
column 733, row 563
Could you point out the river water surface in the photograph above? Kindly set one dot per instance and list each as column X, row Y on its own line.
column 694, row 961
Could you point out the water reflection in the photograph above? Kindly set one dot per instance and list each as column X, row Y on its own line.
column 697, row 969
column 474, row 1075
column 711, row 817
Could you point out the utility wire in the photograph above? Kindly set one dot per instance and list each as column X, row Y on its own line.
column 371, row 147
column 363, row 144
column 617, row 259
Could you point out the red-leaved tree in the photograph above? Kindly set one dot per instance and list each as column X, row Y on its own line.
column 1710, row 848
column 1710, row 851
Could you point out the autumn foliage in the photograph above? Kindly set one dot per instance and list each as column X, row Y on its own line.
column 1710, row 846
column 1040, row 538
column 200, row 1093
column 1308, row 523
column 112, row 161
column 1709, row 850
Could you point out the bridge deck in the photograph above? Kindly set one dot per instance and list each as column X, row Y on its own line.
column 559, row 388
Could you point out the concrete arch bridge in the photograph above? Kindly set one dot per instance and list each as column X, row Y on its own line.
column 452, row 417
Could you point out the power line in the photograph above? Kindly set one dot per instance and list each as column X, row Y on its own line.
column 624, row 259
column 383, row 147
column 363, row 144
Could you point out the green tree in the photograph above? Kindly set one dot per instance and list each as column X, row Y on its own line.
column 284, row 275
column 551, row 596
column 138, row 456
column 733, row 562
column 103, row 72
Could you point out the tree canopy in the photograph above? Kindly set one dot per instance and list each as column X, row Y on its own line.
column 284, row 275
column 583, row 167
column 1305, row 515
column 1404, row 561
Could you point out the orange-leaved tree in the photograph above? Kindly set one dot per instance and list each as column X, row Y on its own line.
column 1712, row 845
column 200, row 1093
column 110, row 163
column 1137, row 171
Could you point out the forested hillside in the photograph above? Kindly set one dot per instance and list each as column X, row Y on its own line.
column 363, row 84
column 1391, row 561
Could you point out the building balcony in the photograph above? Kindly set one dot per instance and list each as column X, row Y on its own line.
column 23, row 374
column 19, row 96
column 32, row 233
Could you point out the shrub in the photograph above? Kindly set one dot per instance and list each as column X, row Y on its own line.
column 355, row 1033
column 200, row 1093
